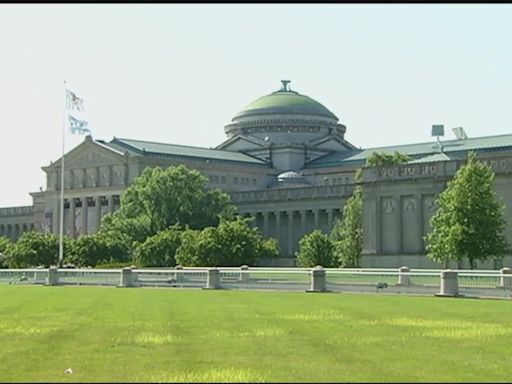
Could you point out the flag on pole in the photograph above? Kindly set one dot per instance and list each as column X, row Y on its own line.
column 78, row 126
column 73, row 102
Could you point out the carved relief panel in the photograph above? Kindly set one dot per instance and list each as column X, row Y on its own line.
column 390, row 225
column 92, row 177
column 408, row 205
column 105, row 176
column 118, row 175
column 68, row 179
column 78, row 178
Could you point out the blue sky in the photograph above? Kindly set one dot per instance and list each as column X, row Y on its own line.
column 178, row 73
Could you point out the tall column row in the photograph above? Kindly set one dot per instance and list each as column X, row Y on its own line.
column 80, row 220
column 289, row 226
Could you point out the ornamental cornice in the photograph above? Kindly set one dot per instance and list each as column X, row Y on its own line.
column 293, row 193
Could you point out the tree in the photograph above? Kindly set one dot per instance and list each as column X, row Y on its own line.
column 316, row 249
column 5, row 248
column 377, row 159
column 469, row 222
column 232, row 243
column 159, row 250
column 100, row 248
column 347, row 234
column 35, row 248
column 175, row 195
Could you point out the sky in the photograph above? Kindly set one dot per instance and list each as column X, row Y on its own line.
column 178, row 73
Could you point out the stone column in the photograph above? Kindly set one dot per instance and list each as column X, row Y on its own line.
column 265, row 224
column 403, row 279
column 449, row 283
column 72, row 217
column 111, row 203
column 329, row 218
column 506, row 278
column 213, row 279
column 419, row 222
column 318, row 280
column 278, row 227
column 317, row 218
column 84, row 215
column 290, row 233
column 97, row 212
column 303, row 222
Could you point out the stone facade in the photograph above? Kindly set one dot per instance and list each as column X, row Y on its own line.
column 285, row 162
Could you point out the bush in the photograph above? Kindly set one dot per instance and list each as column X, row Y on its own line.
column 90, row 250
column 5, row 250
column 159, row 250
column 35, row 248
column 316, row 248
column 231, row 244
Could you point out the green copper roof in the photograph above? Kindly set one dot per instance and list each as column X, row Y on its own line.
column 147, row 148
column 285, row 101
column 452, row 148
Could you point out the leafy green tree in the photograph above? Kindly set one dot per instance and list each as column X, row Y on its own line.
column 90, row 250
column 316, row 248
column 175, row 195
column 159, row 250
column 35, row 248
column 469, row 222
column 377, row 159
column 5, row 247
column 347, row 233
column 232, row 243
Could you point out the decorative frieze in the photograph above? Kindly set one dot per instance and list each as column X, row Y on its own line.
column 293, row 193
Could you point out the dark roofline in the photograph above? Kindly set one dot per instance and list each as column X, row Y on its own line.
column 144, row 152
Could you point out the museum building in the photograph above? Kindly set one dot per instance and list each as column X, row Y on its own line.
column 285, row 162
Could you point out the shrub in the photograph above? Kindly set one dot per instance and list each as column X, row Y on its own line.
column 316, row 248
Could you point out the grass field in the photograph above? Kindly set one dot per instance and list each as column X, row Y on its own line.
column 172, row 335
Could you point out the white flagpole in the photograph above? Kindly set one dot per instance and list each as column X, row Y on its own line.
column 61, row 247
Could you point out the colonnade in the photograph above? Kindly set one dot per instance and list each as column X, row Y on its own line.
column 288, row 226
column 14, row 231
column 80, row 221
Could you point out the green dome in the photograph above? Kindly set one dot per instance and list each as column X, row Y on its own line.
column 285, row 101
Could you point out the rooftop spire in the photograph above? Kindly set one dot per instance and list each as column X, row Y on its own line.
column 285, row 85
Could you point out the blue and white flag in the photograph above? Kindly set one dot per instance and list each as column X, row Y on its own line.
column 73, row 102
column 78, row 126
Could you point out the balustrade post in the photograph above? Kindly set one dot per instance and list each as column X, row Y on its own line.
column 318, row 280
column 404, row 279
column 506, row 278
column 126, row 277
column 53, row 276
column 244, row 274
column 212, row 279
column 178, row 275
column 449, row 283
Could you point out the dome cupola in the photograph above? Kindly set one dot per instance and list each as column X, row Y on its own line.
column 285, row 117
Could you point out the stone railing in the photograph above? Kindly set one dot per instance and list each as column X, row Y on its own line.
column 17, row 211
column 403, row 280
column 296, row 193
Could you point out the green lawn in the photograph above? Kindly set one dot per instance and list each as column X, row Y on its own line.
column 170, row 335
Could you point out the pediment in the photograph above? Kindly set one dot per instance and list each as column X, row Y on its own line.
column 242, row 143
column 89, row 154
column 329, row 143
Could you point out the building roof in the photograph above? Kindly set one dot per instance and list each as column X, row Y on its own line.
column 285, row 101
column 450, row 148
column 148, row 148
